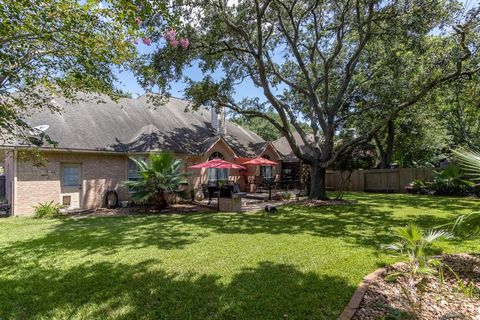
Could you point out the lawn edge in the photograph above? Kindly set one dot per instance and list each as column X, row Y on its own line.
column 357, row 297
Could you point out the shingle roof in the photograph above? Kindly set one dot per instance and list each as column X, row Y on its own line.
column 134, row 125
column 283, row 147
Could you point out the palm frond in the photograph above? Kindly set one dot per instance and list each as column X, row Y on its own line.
column 160, row 173
column 436, row 234
column 470, row 162
column 468, row 223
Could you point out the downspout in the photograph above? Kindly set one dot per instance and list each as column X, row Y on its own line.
column 14, row 182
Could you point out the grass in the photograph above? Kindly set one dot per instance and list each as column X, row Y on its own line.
column 303, row 263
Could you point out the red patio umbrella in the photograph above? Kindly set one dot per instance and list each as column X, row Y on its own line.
column 217, row 164
column 259, row 161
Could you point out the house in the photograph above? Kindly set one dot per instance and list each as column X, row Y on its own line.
column 90, row 143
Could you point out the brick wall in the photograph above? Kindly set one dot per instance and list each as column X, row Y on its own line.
column 41, row 184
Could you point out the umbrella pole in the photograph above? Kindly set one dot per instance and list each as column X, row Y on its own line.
column 269, row 191
column 218, row 192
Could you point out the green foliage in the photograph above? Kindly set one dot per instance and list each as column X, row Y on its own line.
column 460, row 109
column 287, row 195
column 262, row 127
column 323, row 64
column 51, row 48
column 421, row 137
column 47, row 210
column 451, row 181
column 417, row 244
column 469, row 223
column 158, row 175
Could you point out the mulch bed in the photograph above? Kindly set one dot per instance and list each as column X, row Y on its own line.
column 183, row 208
column 388, row 300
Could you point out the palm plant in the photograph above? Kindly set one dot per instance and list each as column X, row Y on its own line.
column 417, row 244
column 158, row 175
column 470, row 162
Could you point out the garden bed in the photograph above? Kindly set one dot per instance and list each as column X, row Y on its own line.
column 143, row 209
column 400, row 300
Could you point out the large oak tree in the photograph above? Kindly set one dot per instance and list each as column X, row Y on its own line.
column 316, row 62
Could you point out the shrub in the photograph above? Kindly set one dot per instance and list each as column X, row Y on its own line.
column 47, row 210
column 451, row 181
column 158, row 176
column 287, row 196
column 420, row 187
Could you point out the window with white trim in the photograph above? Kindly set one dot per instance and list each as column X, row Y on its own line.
column 215, row 174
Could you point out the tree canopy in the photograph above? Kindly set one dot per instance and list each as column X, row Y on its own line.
column 60, row 47
column 319, row 62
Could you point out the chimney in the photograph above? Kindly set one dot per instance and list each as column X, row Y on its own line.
column 214, row 118
column 218, row 121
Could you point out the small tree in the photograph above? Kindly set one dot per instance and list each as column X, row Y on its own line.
column 158, row 175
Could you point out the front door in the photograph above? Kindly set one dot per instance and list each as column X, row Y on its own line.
column 71, row 196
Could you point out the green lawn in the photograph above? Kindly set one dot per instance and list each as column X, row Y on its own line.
column 300, row 264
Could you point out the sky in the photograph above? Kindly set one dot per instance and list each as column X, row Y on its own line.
column 128, row 83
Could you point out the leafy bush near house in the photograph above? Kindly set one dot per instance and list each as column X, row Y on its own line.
column 158, row 176
column 48, row 210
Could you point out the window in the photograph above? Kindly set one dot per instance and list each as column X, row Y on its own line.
column 266, row 172
column 71, row 175
column 216, row 155
column 217, row 174
column 133, row 171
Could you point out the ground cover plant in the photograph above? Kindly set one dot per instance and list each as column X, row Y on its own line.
column 302, row 263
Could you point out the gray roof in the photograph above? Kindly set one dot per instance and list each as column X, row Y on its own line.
column 134, row 125
column 283, row 147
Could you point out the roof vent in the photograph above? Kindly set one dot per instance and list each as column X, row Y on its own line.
column 39, row 130
column 37, row 134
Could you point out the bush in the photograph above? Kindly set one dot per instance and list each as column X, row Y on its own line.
column 448, row 182
column 451, row 181
column 287, row 196
column 420, row 187
column 48, row 210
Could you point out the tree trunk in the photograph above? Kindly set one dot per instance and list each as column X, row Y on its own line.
column 161, row 201
column 317, row 183
column 386, row 154
column 390, row 143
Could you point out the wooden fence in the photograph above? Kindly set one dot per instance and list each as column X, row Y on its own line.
column 377, row 180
